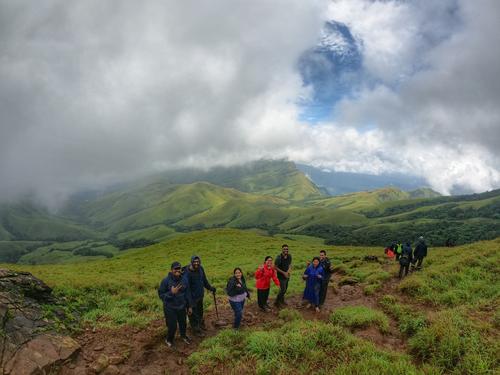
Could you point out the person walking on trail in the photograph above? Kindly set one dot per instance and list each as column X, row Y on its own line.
column 283, row 265
column 263, row 277
column 399, row 250
column 420, row 253
column 237, row 291
column 405, row 260
column 325, row 263
column 313, row 275
column 196, row 279
column 173, row 292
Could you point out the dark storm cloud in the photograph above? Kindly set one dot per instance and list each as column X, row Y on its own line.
column 93, row 91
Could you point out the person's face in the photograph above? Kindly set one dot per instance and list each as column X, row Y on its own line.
column 284, row 251
column 238, row 274
column 269, row 262
column 196, row 264
column 315, row 263
column 176, row 271
column 322, row 256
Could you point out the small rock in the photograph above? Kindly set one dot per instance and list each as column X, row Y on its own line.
column 116, row 359
column 100, row 364
column 111, row 370
column 98, row 348
column 180, row 361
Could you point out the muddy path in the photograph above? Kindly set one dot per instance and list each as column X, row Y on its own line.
column 129, row 350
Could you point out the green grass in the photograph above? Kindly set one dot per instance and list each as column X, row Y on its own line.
column 468, row 275
column 122, row 289
column 410, row 320
column 452, row 343
column 296, row 347
column 360, row 317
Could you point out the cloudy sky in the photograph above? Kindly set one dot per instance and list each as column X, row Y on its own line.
column 94, row 92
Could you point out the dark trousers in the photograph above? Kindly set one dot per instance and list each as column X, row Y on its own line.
column 323, row 290
column 418, row 262
column 403, row 269
column 262, row 297
column 238, row 312
column 280, row 299
column 172, row 318
column 196, row 318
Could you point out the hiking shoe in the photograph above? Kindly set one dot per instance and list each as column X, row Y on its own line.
column 317, row 309
column 186, row 339
column 168, row 343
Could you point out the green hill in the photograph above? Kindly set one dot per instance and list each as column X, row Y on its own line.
column 270, row 196
column 28, row 222
column 440, row 320
column 278, row 178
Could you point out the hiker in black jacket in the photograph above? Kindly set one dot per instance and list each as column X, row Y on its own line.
column 194, row 276
column 420, row 253
column 404, row 260
column 283, row 265
column 327, row 269
column 237, row 291
column 173, row 292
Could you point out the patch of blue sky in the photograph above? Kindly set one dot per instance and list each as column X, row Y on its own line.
column 333, row 69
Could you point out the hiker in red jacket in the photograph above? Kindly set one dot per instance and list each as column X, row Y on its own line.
column 263, row 277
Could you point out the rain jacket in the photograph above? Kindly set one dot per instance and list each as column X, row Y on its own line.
column 263, row 277
column 420, row 250
column 197, row 282
column 177, row 301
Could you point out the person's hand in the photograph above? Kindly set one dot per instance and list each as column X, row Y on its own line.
column 175, row 289
column 287, row 274
column 190, row 311
column 261, row 267
column 239, row 285
column 320, row 277
column 305, row 276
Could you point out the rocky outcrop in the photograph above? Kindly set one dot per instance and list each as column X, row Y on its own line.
column 29, row 343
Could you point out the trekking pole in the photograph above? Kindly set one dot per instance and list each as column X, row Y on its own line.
column 216, row 309
column 219, row 322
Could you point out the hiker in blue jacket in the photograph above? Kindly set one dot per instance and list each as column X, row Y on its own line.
column 420, row 253
column 173, row 292
column 313, row 275
column 405, row 259
column 194, row 276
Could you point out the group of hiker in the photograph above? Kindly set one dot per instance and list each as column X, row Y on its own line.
column 406, row 256
column 182, row 291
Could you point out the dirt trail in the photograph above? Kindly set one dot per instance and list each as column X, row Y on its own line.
column 128, row 350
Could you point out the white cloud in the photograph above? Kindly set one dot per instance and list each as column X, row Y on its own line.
column 94, row 92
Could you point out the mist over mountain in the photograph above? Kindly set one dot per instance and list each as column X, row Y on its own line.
column 337, row 183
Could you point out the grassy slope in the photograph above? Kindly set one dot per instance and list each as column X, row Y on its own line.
column 458, row 286
column 25, row 221
column 449, row 314
column 116, row 285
